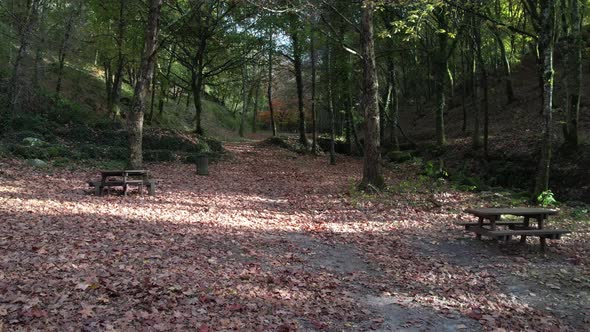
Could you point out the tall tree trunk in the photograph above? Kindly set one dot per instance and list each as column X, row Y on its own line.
column 392, row 103
column 483, row 78
column 546, row 43
column 65, row 43
column 476, row 140
column 141, row 92
column 297, row 62
column 466, row 81
column 255, row 110
column 198, row 83
column 153, row 96
column 313, row 93
column 273, row 125
column 331, row 106
column 506, row 66
column 40, row 48
column 165, row 83
column 575, row 75
column 115, row 94
column 441, row 77
column 196, row 87
column 245, row 100
column 372, row 176
column 24, row 42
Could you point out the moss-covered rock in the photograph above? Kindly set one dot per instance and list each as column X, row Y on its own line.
column 36, row 163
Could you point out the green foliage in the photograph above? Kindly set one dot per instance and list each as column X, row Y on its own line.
column 202, row 147
column 546, row 199
column 159, row 155
column 581, row 213
column 214, row 145
column 155, row 139
column 434, row 171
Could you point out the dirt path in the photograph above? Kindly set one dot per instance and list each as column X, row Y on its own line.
column 270, row 240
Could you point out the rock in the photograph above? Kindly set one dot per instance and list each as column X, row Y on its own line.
column 32, row 141
column 36, row 163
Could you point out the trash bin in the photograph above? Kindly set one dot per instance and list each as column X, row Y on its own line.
column 202, row 164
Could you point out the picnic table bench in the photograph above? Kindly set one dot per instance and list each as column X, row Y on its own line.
column 489, row 219
column 124, row 179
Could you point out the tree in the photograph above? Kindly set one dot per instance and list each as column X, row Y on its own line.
column 372, row 177
column 141, row 92
column 25, row 31
column 543, row 12
column 574, row 77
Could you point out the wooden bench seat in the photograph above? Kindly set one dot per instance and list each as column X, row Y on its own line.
column 505, row 235
column 97, row 184
column 469, row 224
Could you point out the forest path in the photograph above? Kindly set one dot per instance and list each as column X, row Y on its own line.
column 270, row 240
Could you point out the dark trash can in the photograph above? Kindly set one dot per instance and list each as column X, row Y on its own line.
column 202, row 164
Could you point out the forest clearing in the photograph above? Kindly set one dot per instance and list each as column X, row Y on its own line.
column 294, row 165
column 273, row 240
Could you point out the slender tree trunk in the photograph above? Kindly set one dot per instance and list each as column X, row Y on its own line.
column 273, row 125
column 393, row 103
column 505, row 65
column 574, row 75
column 441, row 77
column 24, row 42
column 313, row 93
column 476, row 141
column 164, row 84
column 483, row 74
column 65, row 43
column 331, row 107
column 40, row 48
column 245, row 100
column 255, row 110
column 546, row 43
column 140, row 96
column 197, row 88
column 297, row 59
column 372, row 177
column 152, row 98
column 464, row 94
column 198, row 83
column 115, row 94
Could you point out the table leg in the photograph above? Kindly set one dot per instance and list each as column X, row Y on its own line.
column 480, row 225
column 102, row 183
column 493, row 225
column 541, row 220
column 526, row 224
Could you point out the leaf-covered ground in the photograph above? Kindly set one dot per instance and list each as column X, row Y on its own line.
column 271, row 241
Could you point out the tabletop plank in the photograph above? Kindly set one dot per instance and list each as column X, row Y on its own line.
column 488, row 212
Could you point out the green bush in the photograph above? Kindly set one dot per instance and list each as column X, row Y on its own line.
column 65, row 111
column 31, row 123
column 55, row 151
column 28, row 152
column 214, row 145
column 159, row 139
column 158, row 155
column 546, row 199
column 202, row 147
column 80, row 133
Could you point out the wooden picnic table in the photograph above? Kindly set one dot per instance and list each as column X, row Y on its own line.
column 124, row 179
column 515, row 228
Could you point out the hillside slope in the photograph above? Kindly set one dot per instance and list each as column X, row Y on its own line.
column 515, row 134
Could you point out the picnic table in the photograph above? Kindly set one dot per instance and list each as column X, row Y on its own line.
column 490, row 219
column 124, row 179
